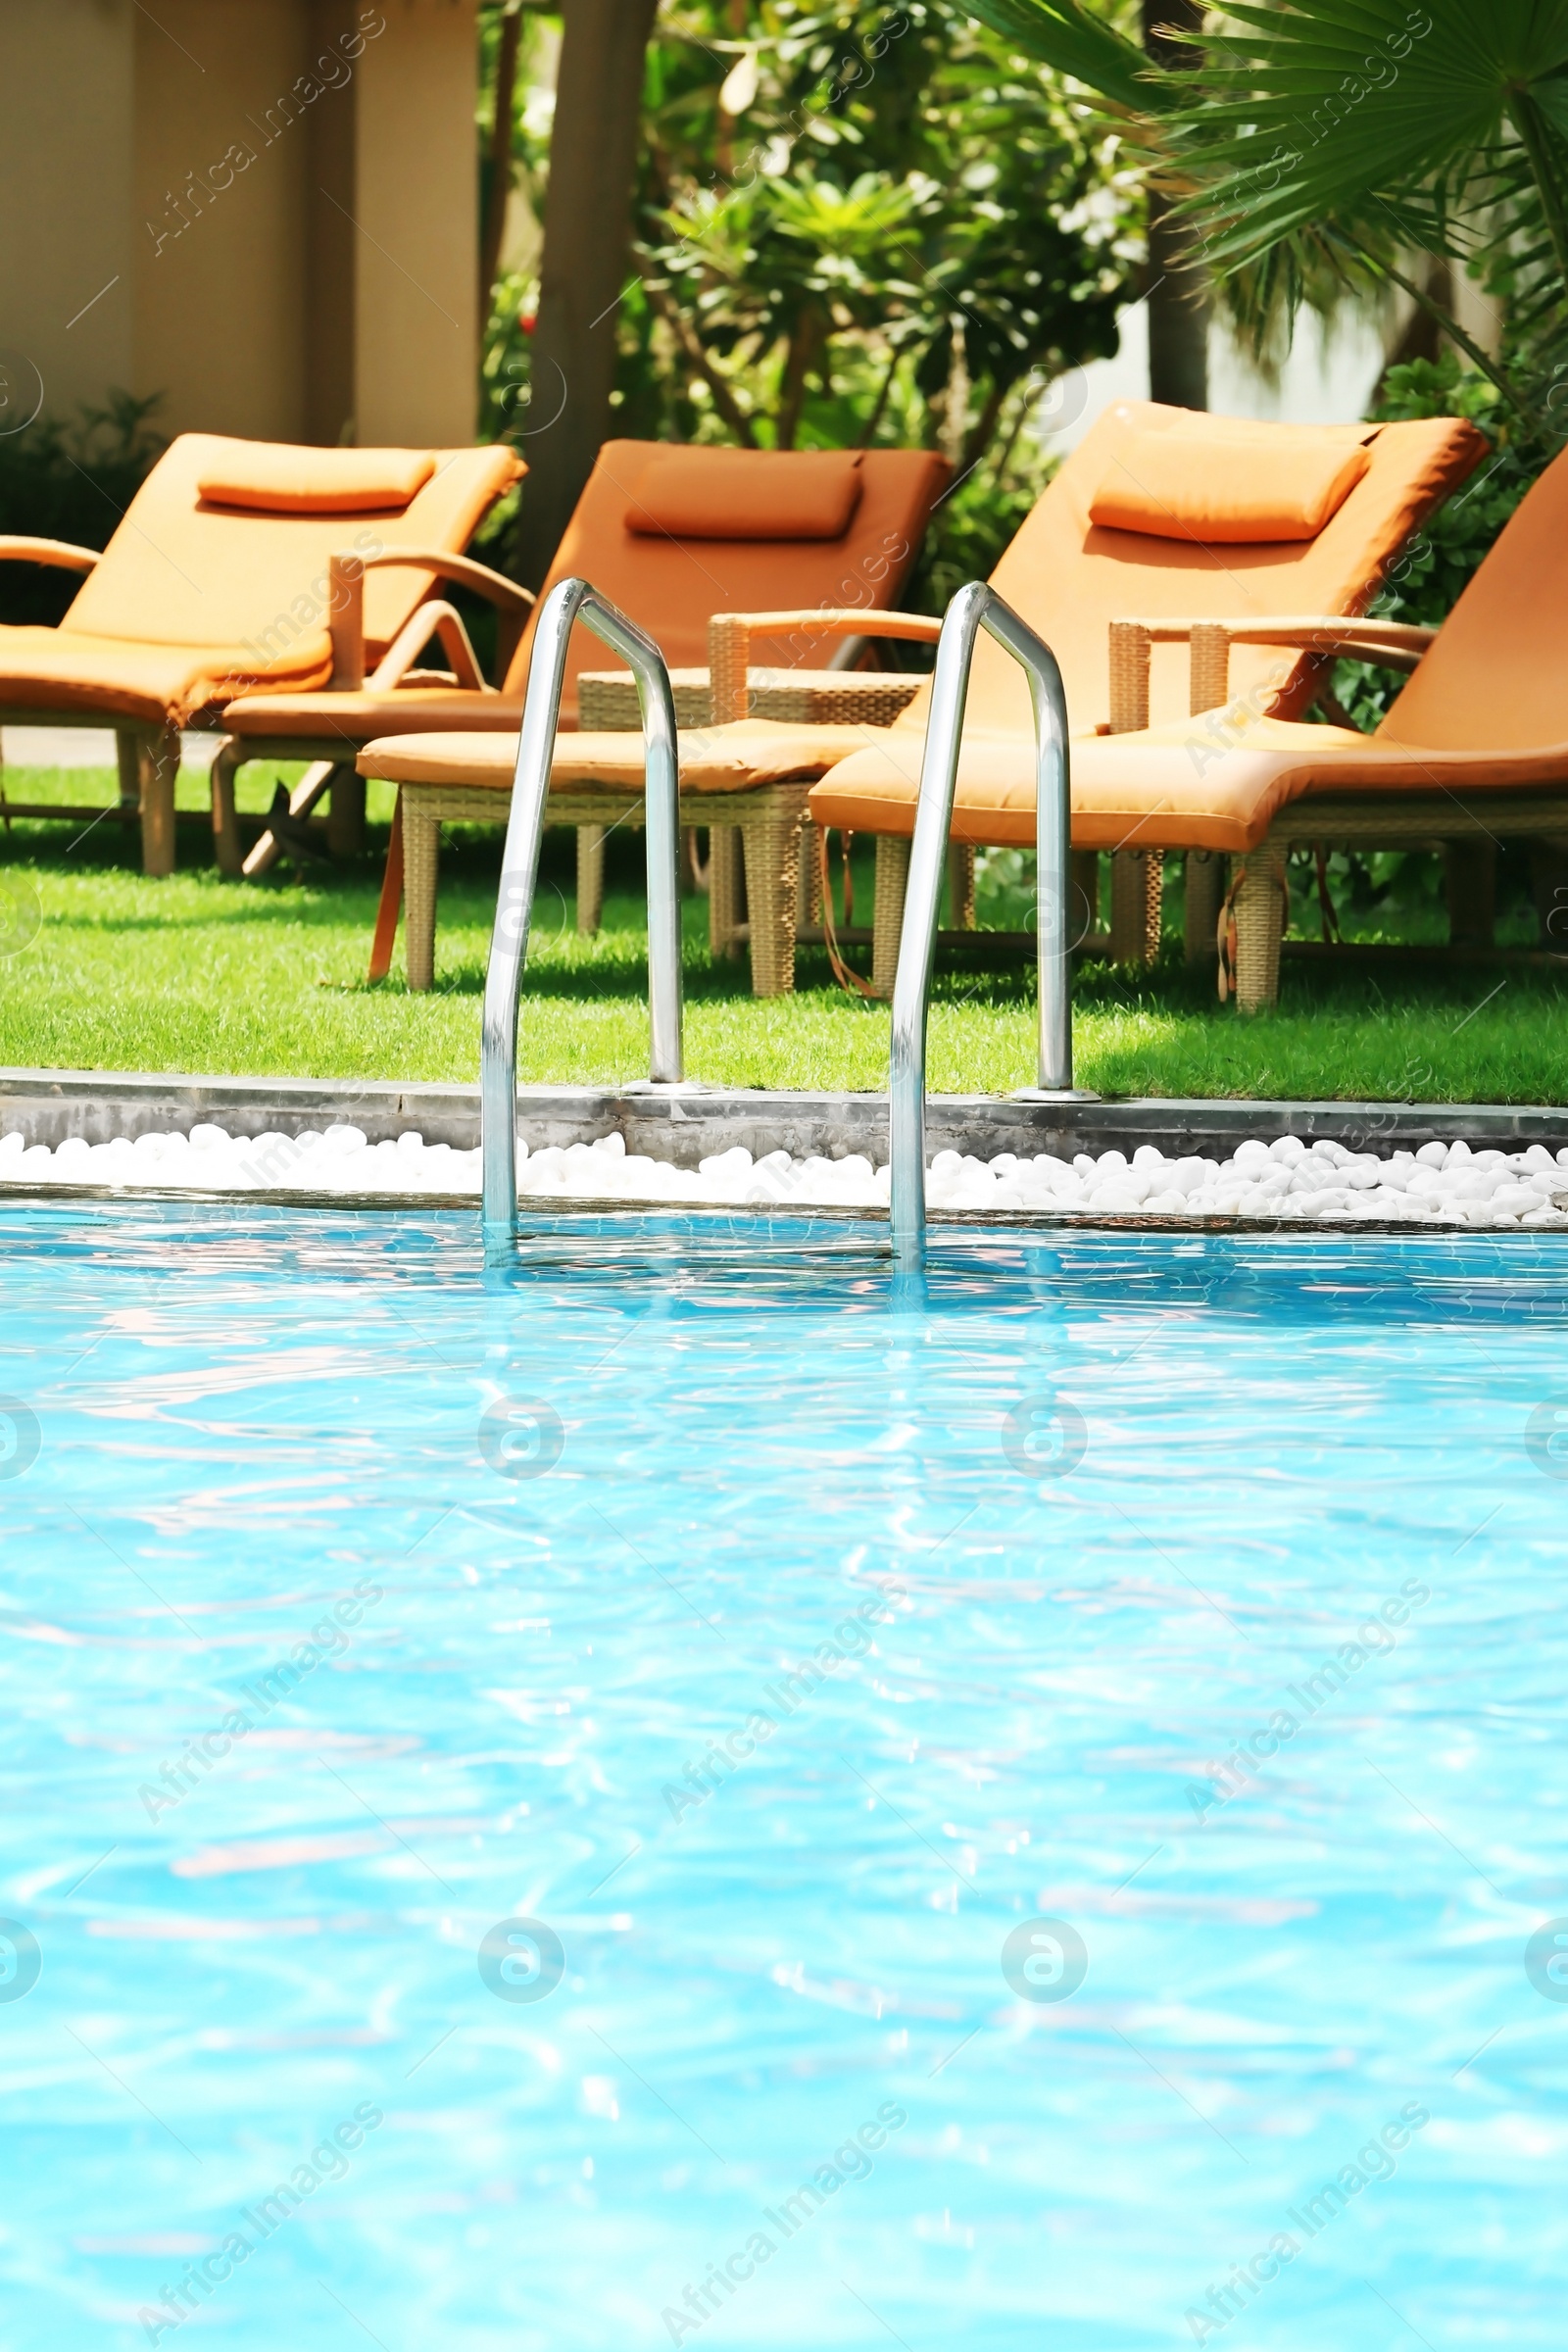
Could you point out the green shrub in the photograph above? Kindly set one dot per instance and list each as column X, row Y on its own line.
column 971, row 529
column 1424, row 583
column 73, row 482
column 1426, row 579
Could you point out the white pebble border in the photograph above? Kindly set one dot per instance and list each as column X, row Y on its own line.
column 1320, row 1183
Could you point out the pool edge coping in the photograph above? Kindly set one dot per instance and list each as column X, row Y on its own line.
column 689, row 1124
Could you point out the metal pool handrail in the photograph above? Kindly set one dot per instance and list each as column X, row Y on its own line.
column 568, row 602
column 976, row 607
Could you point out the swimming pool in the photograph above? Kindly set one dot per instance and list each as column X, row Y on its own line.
column 785, row 1833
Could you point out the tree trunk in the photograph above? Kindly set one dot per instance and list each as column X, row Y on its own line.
column 588, row 221
column 867, row 433
column 1178, row 295
column 983, row 431
column 1421, row 336
column 724, row 399
column 805, row 351
column 499, row 185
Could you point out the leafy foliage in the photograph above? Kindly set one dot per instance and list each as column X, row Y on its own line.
column 1086, row 43
column 1427, row 577
column 852, row 227
column 913, row 199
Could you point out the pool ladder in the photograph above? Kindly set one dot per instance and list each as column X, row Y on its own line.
column 973, row 609
column 572, row 601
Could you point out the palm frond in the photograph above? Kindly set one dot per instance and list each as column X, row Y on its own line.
column 1079, row 40
column 1338, row 109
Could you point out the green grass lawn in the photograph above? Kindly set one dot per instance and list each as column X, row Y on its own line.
column 205, row 975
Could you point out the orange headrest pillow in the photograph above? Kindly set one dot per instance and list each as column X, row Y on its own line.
column 1217, row 479
column 277, row 477
column 686, row 493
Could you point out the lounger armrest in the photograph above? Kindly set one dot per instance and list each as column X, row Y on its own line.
column 345, row 617
column 1393, row 644
column 433, row 618
column 493, row 586
column 57, row 553
column 730, row 634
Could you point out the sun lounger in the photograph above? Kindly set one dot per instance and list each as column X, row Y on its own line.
column 1474, row 751
column 1162, row 514
column 1159, row 512
column 672, row 534
column 220, row 577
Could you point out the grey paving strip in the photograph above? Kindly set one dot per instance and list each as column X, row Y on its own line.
column 693, row 1123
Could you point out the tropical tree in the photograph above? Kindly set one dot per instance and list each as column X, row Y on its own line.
column 871, row 222
column 593, row 151
column 1110, row 50
column 1345, row 135
column 847, row 228
column 1334, row 147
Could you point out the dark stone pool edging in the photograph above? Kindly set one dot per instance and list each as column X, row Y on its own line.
column 686, row 1126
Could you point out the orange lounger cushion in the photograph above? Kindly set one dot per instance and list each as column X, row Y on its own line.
column 182, row 576
column 1485, row 708
column 1178, row 787
column 745, row 757
column 1071, row 576
column 672, row 587
column 66, row 670
column 362, row 714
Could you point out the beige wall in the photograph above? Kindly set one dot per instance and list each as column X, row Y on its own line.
column 219, row 318
column 65, row 172
column 416, row 323
column 277, row 263
column 332, row 243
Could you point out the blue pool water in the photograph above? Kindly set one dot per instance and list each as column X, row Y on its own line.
column 974, row 1589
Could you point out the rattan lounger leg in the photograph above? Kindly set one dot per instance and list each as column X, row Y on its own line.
column 1205, row 887
column 1136, row 883
column 590, row 877
column 345, row 815
column 422, row 870
column 158, row 763
column 960, row 885
column 772, row 847
column 887, row 917
column 1259, row 910
column 225, row 825
column 724, row 890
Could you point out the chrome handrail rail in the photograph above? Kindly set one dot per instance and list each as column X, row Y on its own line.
column 976, row 607
column 572, row 601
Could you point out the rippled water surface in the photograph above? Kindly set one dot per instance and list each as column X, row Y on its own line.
column 781, row 1649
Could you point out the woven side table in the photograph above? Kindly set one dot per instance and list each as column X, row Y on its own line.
column 607, row 700
column 799, row 697
column 768, row 824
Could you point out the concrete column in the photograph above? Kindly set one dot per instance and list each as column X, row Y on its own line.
column 417, row 324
